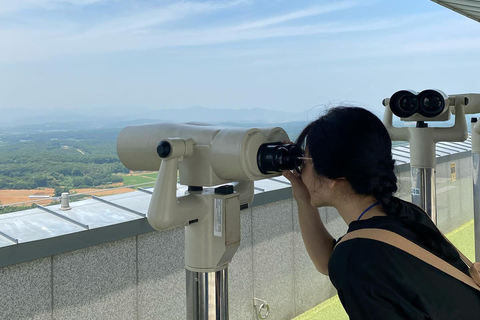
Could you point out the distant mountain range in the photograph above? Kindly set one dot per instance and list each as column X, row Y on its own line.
column 101, row 118
column 23, row 120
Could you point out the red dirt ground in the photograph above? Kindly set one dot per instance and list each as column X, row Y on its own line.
column 16, row 196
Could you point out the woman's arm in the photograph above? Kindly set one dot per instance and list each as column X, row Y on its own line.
column 318, row 242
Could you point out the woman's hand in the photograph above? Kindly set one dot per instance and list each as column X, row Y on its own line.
column 299, row 190
column 318, row 242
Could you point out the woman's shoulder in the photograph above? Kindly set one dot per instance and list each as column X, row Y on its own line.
column 364, row 261
column 371, row 268
column 362, row 254
column 370, row 259
column 389, row 223
column 365, row 258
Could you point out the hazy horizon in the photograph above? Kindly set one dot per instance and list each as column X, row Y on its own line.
column 104, row 118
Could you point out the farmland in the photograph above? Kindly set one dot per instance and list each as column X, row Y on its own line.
column 145, row 179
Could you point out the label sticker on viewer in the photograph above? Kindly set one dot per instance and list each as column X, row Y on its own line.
column 453, row 172
column 218, row 218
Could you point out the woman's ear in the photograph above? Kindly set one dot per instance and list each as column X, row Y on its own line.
column 332, row 183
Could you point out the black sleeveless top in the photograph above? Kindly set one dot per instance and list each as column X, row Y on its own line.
column 377, row 281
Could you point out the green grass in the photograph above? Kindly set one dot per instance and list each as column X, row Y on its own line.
column 463, row 238
column 330, row 309
column 143, row 178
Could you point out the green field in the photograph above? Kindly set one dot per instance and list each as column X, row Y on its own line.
column 463, row 238
column 146, row 179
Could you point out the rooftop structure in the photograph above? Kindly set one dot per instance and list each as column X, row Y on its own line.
column 468, row 8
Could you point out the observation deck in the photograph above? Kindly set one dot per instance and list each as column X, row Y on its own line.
column 101, row 259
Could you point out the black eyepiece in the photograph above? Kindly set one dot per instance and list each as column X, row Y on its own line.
column 404, row 103
column 432, row 103
column 277, row 156
column 163, row 149
column 428, row 103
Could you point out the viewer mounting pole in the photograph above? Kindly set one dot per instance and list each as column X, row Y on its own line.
column 476, row 184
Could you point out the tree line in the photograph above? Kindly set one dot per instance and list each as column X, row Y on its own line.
column 58, row 160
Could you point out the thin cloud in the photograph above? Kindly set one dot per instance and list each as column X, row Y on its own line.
column 141, row 22
column 7, row 6
column 304, row 13
column 230, row 34
column 159, row 16
column 124, row 34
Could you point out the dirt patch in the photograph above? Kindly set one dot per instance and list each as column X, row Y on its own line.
column 139, row 173
column 100, row 192
column 16, row 196
column 19, row 197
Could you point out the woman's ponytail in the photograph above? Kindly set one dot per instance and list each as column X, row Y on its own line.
column 417, row 221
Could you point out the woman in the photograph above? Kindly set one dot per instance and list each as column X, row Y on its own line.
column 348, row 165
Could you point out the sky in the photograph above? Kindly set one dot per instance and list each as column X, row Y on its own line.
column 289, row 56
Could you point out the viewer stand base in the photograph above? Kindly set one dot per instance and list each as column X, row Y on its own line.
column 207, row 295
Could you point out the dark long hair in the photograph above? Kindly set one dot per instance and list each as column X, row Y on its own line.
column 352, row 143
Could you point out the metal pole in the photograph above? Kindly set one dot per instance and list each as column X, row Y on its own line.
column 476, row 202
column 424, row 191
column 476, row 187
column 207, row 295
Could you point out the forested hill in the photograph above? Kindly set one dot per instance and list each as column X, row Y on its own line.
column 59, row 159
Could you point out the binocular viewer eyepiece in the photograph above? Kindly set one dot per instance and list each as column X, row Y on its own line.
column 428, row 105
column 276, row 157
